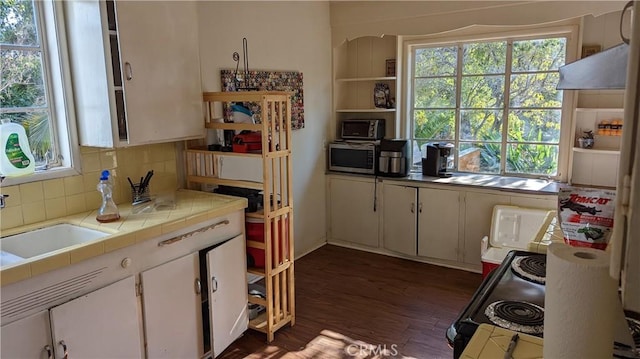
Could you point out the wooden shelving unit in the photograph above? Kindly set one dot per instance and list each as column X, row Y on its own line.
column 202, row 166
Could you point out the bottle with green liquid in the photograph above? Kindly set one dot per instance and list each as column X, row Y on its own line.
column 16, row 158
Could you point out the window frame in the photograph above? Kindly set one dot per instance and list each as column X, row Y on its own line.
column 57, row 76
column 570, row 30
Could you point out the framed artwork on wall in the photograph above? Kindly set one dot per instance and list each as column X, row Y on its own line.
column 271, row 81
column 390, row 68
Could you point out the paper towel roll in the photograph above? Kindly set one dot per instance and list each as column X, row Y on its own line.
column 579, row 304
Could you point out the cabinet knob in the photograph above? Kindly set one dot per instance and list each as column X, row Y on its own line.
column 47, row 348
column 198, row 286
column 214, row 285
column 413, row 207
column 126, row 262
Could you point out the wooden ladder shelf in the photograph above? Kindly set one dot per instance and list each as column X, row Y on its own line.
column 202, row 168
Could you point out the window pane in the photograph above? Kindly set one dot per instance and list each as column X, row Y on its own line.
column 38, row 128
column 481, row 125
column 436, row 61
column 435, row 93
column 479, row 157
column 535, row 90
column 482, row 91
column 484, row 58
column 22, row 80
column 538, row 55
column 532, row 159
column 535, row 126
column 18, row 25
column 434, row 125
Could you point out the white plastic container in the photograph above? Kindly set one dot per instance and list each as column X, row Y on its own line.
column 512, row 228
column 16, row 158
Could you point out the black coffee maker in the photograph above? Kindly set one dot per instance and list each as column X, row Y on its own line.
column 436, row 162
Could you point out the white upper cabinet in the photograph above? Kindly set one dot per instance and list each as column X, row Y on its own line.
column 135, row 71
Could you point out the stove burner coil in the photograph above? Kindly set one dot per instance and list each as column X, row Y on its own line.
column 519, row 316
column 532, row 268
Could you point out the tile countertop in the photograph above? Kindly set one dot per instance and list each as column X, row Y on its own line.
column 191, row 207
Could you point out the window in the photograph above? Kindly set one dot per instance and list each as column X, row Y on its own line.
column 495, row 100
column 32, row 92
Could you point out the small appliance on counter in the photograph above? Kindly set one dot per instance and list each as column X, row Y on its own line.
column 394, row 158
column 438, row 160
column 363, row 130
column 353, row 157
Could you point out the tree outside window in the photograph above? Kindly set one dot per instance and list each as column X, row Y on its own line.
column 23, row 89
column 495, row 100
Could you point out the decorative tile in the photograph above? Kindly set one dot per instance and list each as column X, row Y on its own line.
column 55, row 207
column 87, row 251
column 31, row 192
column 76, row 203
column 119, row 242
column 50, row 263
column 11, row 217
column 73, row 185
column 53, row 188
column 33, row 212
column 14, row 198
column 15, row 274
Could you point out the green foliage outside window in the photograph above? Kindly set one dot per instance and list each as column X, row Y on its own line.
column 498, row 114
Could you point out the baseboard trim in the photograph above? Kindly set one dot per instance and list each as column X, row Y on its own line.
column 317, row 246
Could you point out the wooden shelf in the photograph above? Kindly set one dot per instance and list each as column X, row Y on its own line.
column 606, row 151
column 366, row 110
column 202, row 167
column 364, row 79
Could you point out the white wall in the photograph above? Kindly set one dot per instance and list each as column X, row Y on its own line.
column 282, row 36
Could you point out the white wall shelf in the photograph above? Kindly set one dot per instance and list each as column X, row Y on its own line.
column 364, row 79
column 354, row 110
column 606, row 151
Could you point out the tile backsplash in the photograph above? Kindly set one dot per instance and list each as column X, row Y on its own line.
column 38, row 201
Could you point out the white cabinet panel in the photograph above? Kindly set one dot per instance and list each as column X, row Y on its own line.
column 27, row 337
column 172, row 306
column 228, row 293
column 101, row 324
column 477, row 222
column 438, row 222
column 399, row 218
column 353, row 213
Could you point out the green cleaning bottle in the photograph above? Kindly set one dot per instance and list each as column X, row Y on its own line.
column 16, row 158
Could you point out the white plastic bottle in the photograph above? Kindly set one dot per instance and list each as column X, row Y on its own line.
column 16, row 158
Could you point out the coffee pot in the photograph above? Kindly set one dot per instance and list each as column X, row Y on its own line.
column 393, row 160
column 438, row 161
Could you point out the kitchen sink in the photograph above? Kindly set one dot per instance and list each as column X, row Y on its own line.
column 44, row 240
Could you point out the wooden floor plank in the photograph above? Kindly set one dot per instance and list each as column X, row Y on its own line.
column 353, row 304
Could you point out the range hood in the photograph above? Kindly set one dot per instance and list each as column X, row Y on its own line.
column 606, row 70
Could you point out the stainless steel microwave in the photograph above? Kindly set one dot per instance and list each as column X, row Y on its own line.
column 354, row 157
column 369, row 130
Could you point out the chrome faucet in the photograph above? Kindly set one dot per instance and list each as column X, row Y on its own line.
column 2, row 196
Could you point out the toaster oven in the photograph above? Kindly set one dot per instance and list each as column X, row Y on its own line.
column 368, row 130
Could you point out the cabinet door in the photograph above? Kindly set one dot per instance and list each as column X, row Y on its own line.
column 399, row 218
column 228, row 293
column 101, row 324
column 477, row 222
column 27, row 338
column 353, row 215
column 438, row 222
column 159, row 53
column 171, row 298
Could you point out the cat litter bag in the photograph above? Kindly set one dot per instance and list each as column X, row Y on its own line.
column 586, row 216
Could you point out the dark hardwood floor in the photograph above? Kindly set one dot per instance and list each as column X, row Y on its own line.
column 353, row 304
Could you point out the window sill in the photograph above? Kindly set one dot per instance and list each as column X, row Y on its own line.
column 52, row 173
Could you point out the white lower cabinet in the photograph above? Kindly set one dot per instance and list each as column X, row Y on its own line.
column 478, row 210
column 171, row 301
column 29, row 337
column 101, row 324
column 354, row 216
column 399, row 220
column 175, row 296
column 438, row 223
column 421, row 221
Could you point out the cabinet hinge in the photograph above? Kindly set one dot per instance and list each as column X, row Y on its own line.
column 138, row 289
